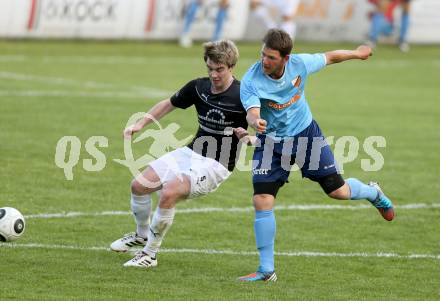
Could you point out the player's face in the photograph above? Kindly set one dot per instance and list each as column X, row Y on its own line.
column 220, row 75
column 272, row 62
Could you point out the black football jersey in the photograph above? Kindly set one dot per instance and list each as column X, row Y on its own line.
column 217, row 115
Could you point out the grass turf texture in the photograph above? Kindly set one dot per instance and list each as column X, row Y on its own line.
column 53, row 89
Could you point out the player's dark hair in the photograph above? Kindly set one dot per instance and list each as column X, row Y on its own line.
column 221, row 52
column 278, row 39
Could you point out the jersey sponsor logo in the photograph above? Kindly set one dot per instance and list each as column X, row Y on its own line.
column 296, row 82
column 215, row 116
column 260, row 171
column 282, row 106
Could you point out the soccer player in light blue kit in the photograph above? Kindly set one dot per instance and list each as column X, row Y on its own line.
column 272, row 92
column 190, row 16
column 382, row 21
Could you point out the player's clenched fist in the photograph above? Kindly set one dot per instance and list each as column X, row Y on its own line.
column 260, row 125
column 364, row 52
column 129, row 131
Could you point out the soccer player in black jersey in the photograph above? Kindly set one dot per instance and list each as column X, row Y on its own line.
column 196, row 169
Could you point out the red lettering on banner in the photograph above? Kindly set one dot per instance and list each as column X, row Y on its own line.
column 150, row 15
column 32, row 13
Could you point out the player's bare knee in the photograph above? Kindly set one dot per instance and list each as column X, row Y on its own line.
column 137, row 188
column 334, row 186
column 168, row 198
column 342, row 193
column 336, row 195
column 263, row 201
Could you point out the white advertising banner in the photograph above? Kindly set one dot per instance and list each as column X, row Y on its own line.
column 336, row 20
column 320, row 20
column 84, row 18
column 114, row 19
column 425, row 21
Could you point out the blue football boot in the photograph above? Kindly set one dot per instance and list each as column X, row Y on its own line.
column 382, row 203
column 259, row 276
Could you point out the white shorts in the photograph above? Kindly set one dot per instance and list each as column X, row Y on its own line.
column 206, row 174
column 284, row 7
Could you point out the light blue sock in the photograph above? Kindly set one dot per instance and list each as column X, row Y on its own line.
column 265, row 228
column 375, row 27
column 379, row 26
column 361, row 191
column 219, row 21
column 190, row 16
column 404, row 25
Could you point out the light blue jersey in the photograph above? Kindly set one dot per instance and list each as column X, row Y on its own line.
column 282, row 101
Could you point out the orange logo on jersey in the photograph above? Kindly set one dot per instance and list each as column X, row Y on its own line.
column 296, row 81
column 281, row 106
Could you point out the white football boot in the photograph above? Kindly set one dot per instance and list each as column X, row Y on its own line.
column 141, row 260
column 127, row 242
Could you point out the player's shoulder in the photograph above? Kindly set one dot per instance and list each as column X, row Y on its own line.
column 299, row 57
column 234, row 89
column 236, row 83
column 201, row 83
column 307, row 58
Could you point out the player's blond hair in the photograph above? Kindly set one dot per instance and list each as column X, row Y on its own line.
column 221, row 52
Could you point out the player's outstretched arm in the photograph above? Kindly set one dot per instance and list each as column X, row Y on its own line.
column 363, row 52
column 155, row 113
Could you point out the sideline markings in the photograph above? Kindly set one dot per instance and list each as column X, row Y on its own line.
column 52, row 80
column 233, row 209
column 232, row 252
column 101, row 94
column 60, row 81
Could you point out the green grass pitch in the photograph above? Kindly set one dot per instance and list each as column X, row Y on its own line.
column 52, row 89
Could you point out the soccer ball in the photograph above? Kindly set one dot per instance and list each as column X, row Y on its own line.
column 11, row 224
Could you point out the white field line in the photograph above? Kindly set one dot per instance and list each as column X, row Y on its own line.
column 99, row 60
column 232, row 252
column 233, row 210
column 51, row 80
column 13, row 58
column 66, row 93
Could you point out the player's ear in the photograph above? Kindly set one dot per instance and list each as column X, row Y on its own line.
column 286, row 58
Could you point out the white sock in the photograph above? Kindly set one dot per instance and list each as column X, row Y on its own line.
column 289, row 27
column 162, row 221
column 263, row 13
column 141, row 208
